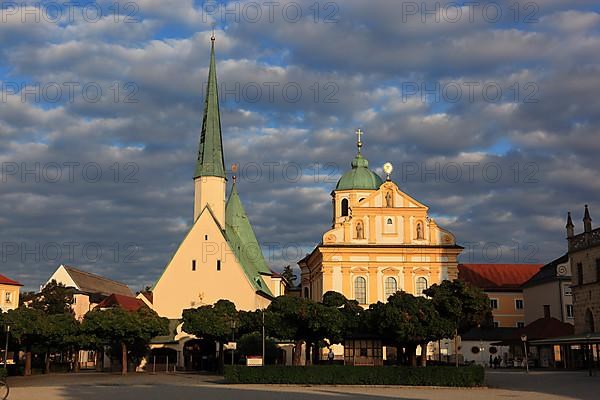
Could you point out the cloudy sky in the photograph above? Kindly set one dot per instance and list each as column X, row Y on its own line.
column 490, row 114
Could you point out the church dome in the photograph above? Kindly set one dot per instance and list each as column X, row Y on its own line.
column 359, row 177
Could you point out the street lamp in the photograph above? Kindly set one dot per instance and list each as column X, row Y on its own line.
column 590, row 355
column 263, row 337
column 6, row 347
column 524, row 340
column 232, row 340
column 481, row 350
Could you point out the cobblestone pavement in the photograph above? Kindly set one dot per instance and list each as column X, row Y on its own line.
column 92, row 386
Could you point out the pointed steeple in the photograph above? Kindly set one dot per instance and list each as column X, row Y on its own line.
column 210, row 153
column 587, row 220
column 570, row 227
column 237, row 226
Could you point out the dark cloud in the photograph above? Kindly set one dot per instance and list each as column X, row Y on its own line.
column 292, row 149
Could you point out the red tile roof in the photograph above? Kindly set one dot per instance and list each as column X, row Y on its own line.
column 542, row 328
column 6, row 281
column 545, row 328
column 497, row 276
column 118, row 300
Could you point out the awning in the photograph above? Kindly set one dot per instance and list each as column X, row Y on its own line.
column 582, row 338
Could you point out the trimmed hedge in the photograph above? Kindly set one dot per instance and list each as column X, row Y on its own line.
column 351, row 375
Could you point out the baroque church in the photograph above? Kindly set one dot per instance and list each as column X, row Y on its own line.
column 219, row 257
column 381, row 241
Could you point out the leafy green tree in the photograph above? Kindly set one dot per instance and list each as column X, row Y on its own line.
column 287, row 319
column 131, row 331
column 54, row 298
column 60, row 333
column 303, row 320
column 352, row 312
column 213, row 322
column 406, row 321
column 249, row 322
column 463, row 305
column 288, row 275
column 28, row 327
column 250, row 344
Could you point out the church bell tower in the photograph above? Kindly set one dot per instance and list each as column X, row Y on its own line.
column 209, row 176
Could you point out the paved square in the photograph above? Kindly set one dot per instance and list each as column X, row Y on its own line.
column 92, row 386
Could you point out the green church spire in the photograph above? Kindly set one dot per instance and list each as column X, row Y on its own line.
column 239, row 229
column 210, row 153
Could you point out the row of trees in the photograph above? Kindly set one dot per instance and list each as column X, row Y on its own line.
column 45, row 324
column 404, row 321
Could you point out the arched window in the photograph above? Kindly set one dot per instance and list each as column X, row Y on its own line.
column 306, row 294
column 389, row 221
column 421, row 286
column 391, row 286
column 344, row 207
column 360, row 290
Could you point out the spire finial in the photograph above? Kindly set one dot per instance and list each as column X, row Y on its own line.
column 570, row 227
column 388, row 168
column 587, row 220
column 234, row 169
column 212, row 37
column 359, row 142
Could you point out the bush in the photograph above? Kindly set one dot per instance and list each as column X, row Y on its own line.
column 2, row 373
column 350, row 375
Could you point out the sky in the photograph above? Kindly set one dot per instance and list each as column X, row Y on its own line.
column 489, row 112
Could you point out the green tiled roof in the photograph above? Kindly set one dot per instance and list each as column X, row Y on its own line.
column 243, row 242
column 210, row 153
column 359, row 177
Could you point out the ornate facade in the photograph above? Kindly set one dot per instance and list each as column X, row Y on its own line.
column 382, row 240
column 584, row 256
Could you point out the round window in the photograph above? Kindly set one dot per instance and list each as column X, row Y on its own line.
column 493, row 350
column 474, row 349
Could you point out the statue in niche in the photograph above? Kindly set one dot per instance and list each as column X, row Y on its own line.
column 388, row 199
column 359, row 231
column 419, row 231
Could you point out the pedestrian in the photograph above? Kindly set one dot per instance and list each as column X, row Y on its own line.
column 330, row 356
column 491, row 361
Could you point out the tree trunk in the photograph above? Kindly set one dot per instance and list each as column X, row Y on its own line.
column 99, row 360
column 297, row 356
column 423, row 354
column 76, row 360
column 399, row 354
column 123, row 358
column 411, row 349
column 27, row 371
column 221, row 363
column 47, row 362
column 316, row 354
column 456, row 346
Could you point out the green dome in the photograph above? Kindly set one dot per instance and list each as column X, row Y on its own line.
column 359, row 177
